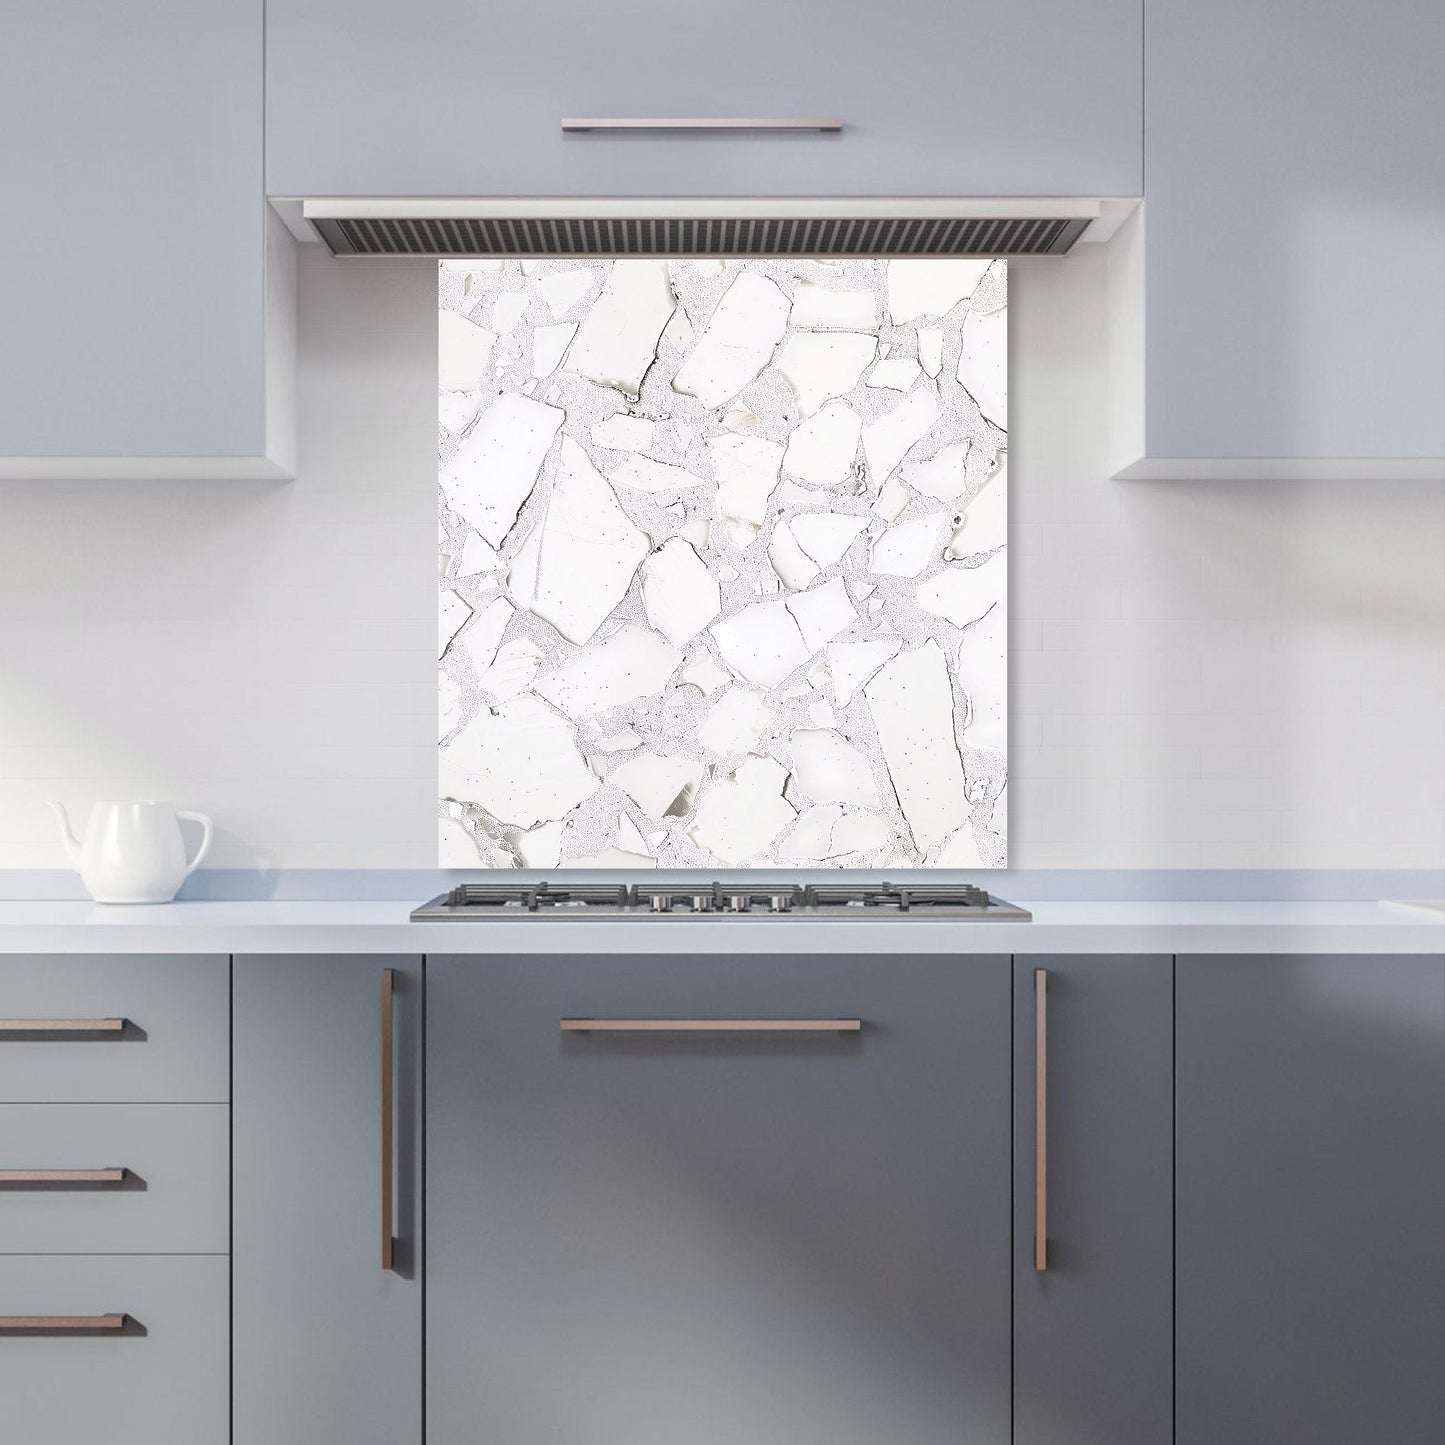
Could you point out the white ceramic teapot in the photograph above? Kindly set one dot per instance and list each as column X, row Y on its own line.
column 133, row 852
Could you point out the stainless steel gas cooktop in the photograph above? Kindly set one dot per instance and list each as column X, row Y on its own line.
column 952, row 901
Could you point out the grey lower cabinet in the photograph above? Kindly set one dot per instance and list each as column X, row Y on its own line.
column 114, row 1198
column 1311, row 1190
column 643, row 1235
column 326, row 1339
column 1093, row 1356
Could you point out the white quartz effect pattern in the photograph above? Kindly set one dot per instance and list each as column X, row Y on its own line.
column 723, row 563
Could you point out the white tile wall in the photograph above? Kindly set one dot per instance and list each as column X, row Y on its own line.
column 1213, row 675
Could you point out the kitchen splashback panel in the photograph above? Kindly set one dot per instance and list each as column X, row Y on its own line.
column 723, row 563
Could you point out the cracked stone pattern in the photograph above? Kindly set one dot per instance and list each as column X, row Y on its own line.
column 789, row 609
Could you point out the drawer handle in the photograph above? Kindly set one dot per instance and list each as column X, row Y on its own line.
column 388, row 1118
column 702, row 124
column 711, row 1026
column 81, row 1028
column 1041, row 1119
column 63, row 1176
column 67, row 1324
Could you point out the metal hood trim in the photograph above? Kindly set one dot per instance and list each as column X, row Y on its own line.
column 701, row 226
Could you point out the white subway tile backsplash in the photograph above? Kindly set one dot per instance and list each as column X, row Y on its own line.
column 1085, row 588
column 1093, row 698
column 1116, row 761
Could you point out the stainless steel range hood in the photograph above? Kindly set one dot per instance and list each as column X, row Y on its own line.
column 805, row 226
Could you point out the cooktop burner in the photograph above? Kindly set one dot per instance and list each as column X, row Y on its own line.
column 548, row 899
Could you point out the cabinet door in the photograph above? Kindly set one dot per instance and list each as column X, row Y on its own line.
column 940, row 97
column 1093, row 1358
column 641, row 1238
column 327, row 1343
column 1310, row 1193
column 134, row 277
column 1295, row 252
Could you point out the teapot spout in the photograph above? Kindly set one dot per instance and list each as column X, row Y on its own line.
column 68, row 840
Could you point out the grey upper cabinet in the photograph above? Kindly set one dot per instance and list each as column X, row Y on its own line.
column 940, row 97
column 1093, row 1356
column 147, row 306
column 1311, row 1188
column 1293, row 268
column 636, row 1238
column 327, row 1342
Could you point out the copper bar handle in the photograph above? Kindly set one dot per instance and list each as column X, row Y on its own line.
column 1041, row 1119
column 79, row 1324
column 388, row 1118
column 63, row 1176
column 711, row 1026
column 702, row 124
column 86, row 1028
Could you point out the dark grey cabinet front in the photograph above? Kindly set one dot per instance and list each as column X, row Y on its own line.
column 1311, row 1192
column 795, row 1234
column 1092, row 1329
column 326, row 1341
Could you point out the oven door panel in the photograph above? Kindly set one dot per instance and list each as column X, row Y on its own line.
column 787, row 1234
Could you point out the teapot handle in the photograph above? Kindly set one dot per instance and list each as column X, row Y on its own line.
column 201, row 852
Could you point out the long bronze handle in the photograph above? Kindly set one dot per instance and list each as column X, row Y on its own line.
column 1041, row 1118
column 388, row 1118
column 734, row 124
column 76, row 1323
column 62, row 1176
column 86, row 1028
column 711, row 1026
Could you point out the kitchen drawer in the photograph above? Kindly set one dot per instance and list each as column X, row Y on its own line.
column 161, row 1380
column 172, row 1198
column 174, row 1047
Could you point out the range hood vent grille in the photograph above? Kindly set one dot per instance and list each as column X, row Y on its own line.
column 840, row 235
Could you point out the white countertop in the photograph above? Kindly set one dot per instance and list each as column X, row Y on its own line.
column 383, row 927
